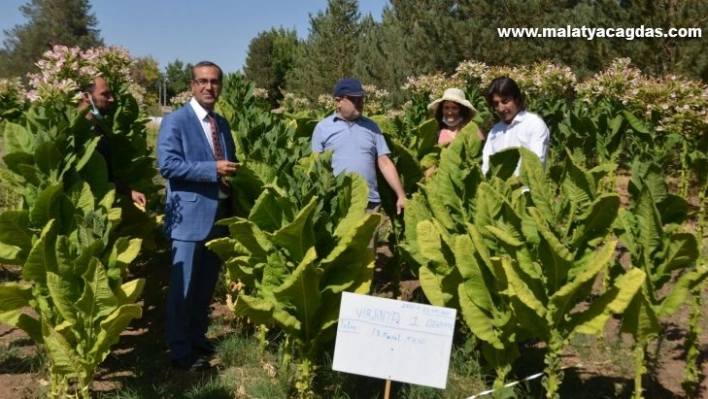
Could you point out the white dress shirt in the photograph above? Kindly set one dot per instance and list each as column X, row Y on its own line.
column 203, row 114
column 526, row 130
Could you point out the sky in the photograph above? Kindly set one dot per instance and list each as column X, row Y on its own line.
column 216, row 30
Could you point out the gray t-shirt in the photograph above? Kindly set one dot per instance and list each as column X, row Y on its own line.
column 356, row 147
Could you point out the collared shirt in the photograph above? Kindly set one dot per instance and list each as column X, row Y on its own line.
column 526, row 130
column 202, row 115
column 356, row 147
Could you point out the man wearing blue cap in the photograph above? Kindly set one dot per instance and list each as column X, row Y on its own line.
column 357, row 143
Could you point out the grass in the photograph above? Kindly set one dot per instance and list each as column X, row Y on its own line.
column 248, row 371
column 16, row 357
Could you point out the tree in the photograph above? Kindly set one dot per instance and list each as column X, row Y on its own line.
column 330, row 51
column 50, row 22
column 270, row 56
column 665, row 55
column 178, row 77
column 146, row 73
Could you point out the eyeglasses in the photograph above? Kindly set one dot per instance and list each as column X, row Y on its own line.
column 203, row 82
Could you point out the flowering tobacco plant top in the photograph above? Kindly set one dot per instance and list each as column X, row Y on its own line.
column 64, row 70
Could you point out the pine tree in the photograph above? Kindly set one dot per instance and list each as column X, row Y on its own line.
column 50, row 22
column 659, row 56
column 330, row 51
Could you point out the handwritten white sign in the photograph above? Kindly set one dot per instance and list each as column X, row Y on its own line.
column 394, row 340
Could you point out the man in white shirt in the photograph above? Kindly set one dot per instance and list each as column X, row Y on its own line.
column 517, row 128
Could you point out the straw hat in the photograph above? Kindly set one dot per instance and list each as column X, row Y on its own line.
column 454, row 95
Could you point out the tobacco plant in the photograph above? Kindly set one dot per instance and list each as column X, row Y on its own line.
column 650, row 229
column 64, row 237
column 520, row 258
column 304, row 242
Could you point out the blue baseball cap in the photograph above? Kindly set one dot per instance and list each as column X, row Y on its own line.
column 348, row 87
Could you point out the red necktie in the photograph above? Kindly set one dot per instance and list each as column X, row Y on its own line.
column 218, row 152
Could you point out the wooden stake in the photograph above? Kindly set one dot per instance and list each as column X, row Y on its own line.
column 387, row 390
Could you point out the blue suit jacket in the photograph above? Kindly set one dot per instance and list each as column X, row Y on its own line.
column 186, row 160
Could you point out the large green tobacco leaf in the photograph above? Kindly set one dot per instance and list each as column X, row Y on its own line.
column 640, row 319
column 130, row 292
column 22, row 163
column 533, row 174
column 506, row 235
column 300, row 296
column 348, row 263
column 635, row 122
column 436, row 200
column 272, row 210
column 14, row 230
column 558, row 260
column 432, row 242
column 10, row 254
column 615, row 300
column 298, row 236
column 110, row 329
column 18, row 139
column 355, row 208
column 64, row 291
column 14, row 298
column 42, row 256
column 649, row 226
column 89, row 154
column 597, row 220
column 681, row 290
column 566, row 297
column 578, row 186
column 252, row 238
column 519, row 288
column 259, row 310
column 407, row 164
column 274, row 272
column 432, row 284
column 478, row 320
column 503, row 164
column 681, row 251
column 475, row 283
column 489, row 204
column 29, row 173
column 48, row 206
column 123, row 253
column 81, row 263
column 482, row 251
column 427, row 137
column 64, row 359
column 81, row 196
column 416, row 211
column 97, row 300
column 48, row 158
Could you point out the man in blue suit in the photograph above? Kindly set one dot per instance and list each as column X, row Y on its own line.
column 196, row 154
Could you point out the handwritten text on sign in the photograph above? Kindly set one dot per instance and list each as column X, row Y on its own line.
column 394, row 340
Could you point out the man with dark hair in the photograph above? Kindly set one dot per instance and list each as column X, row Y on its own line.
column 517, row 128
column 99, row 97
column 196, row 154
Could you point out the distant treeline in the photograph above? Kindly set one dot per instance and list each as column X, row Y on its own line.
column 417, row 37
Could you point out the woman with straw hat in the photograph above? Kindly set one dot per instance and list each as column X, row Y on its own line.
column 452, row 112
